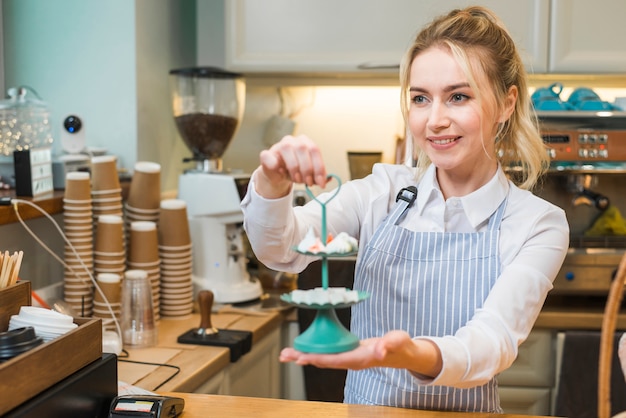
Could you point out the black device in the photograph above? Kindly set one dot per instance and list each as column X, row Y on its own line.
column 153, row 406
column 33, row 171
column 86, row 393
column 72, row 124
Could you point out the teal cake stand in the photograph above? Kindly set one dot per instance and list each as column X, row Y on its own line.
column 326, row 334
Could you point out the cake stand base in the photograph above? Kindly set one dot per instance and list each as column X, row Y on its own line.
column 326, row 335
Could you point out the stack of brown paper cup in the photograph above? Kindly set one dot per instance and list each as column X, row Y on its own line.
column 109, row 248
column 107, row 303
column 106, row 191
column 104, row 173
column 144, row 194
column 145, row 188
column 176, row 259
column 78, row 257
column 143, row 254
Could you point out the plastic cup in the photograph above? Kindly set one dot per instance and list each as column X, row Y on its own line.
column 145, row 186
column 174, row 224
column 138, row 321
column 109, row 234
column 104, row 174
column 77, row 186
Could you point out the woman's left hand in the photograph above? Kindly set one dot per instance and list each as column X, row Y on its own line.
column 395, row 349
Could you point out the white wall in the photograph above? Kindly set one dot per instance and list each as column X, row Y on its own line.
column 80, row 57
column 108, row 62
column 338, row 118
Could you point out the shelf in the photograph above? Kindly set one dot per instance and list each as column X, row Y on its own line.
column 52, row 203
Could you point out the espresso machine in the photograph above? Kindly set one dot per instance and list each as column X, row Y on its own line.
column 208, row 105
column 586, row 179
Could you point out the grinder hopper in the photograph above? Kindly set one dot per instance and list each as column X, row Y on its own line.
column 208, row 106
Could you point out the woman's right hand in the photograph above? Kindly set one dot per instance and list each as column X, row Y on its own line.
column 294, row 159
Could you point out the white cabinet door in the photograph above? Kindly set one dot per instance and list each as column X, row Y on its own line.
column 325, row 36
column 588, row 36
column 535, row 362
column 525, row 401
column 526, row 387
column 257, row 373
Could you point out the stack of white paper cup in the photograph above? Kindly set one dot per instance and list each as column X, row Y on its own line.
column 77, row 225
column 107, row 302
column 106, row 191
column 143, row 255
column 176, row 259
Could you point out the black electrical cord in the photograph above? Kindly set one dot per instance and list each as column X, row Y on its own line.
column 124, row 359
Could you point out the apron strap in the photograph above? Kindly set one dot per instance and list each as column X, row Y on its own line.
column 404, row 200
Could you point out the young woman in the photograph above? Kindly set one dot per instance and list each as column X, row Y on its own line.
column 457, row 272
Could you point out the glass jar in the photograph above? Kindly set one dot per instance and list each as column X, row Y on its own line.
column 24, row 121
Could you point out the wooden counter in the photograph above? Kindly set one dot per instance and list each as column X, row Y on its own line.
column 575, row 319
column 562, row 312
column 216, row 406
column 197, row 363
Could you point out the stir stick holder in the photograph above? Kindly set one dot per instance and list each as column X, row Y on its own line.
column 326, row 334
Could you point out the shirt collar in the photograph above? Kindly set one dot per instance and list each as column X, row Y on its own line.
column 478, row 205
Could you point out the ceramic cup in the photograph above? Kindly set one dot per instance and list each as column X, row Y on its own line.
column 549, row 98
column 581, row 95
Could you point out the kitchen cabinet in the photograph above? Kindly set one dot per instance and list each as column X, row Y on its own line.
column 255, row 374
column 369, row 36
column 586, row 37
column 351, row 36
column 528, row 385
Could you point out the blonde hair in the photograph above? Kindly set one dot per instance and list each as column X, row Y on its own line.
column 475, row 32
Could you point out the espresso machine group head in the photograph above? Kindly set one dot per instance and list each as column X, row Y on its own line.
column 208, row 105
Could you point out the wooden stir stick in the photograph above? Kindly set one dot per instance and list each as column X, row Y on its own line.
column 4, row 280
column 16, row 267
column 10, row 268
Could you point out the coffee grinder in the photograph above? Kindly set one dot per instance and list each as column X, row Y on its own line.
column 208, row 105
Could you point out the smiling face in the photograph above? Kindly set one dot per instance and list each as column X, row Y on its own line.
column 450, row 124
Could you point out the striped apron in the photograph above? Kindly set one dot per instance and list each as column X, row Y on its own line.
column 427, row 284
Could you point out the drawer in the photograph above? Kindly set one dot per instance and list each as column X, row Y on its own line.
column 525, row 401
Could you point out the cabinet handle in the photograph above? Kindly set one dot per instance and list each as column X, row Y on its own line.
column 378, row 66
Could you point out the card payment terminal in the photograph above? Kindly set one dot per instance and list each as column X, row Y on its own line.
column 152, row 406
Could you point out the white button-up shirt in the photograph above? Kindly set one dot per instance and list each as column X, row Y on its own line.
column 534, row 237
